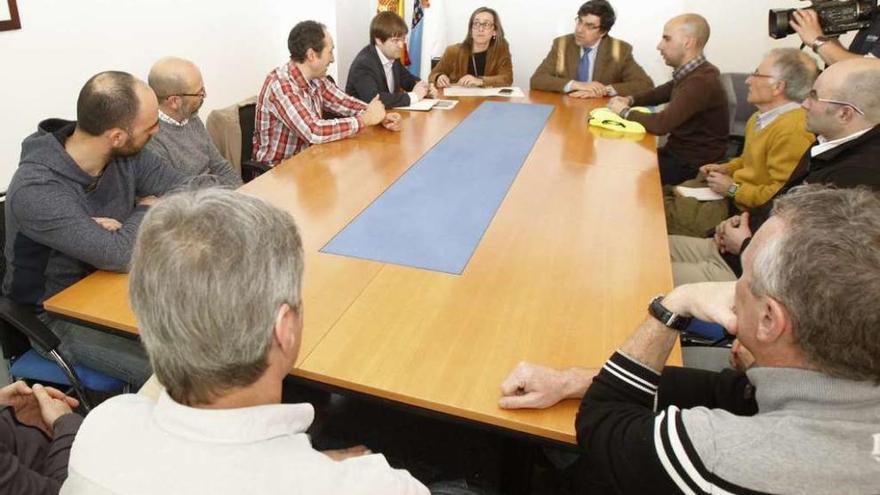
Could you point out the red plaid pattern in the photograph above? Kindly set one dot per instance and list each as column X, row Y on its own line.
column 289, row 114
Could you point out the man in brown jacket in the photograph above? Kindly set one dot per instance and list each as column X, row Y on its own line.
column 696, row 115
column 588, row 63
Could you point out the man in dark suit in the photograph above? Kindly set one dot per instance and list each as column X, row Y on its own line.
column 377, row 69
column 588, row 63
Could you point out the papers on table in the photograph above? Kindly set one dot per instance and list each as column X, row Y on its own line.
column 698, row 193
column 511, row 92
column 427, row 104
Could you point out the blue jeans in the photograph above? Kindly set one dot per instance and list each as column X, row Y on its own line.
column 113, row 355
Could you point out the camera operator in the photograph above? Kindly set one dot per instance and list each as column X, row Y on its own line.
column 806, row 25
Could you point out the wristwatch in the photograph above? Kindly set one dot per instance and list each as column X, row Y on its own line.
column 663, row 315
column 818, row 42
column 731, row 191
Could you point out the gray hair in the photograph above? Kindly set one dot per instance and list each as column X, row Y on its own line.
column 825, row 269
column 209, row 271
column 797, row 69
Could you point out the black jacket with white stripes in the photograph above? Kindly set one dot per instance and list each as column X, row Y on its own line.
column 694, row 431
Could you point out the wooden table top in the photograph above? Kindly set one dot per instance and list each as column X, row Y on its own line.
column 561, row 277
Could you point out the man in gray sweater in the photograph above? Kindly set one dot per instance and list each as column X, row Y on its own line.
column 183, row 140
column 805, row 418
column 75, row 204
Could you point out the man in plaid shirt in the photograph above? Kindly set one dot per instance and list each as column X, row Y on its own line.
column 289, row 112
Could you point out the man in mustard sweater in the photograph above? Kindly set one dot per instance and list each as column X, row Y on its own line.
column 776, row 138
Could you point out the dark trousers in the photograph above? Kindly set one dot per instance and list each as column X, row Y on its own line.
column 674, row 170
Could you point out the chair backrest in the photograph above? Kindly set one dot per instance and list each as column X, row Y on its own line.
column 742, row 109
column 12, row 342
column 246, row 116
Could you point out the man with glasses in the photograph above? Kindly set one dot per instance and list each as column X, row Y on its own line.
column 696, row 116
column 843, row 110
column 377, row 69
column 776, row 137
column 588, row 63
column 183, row 140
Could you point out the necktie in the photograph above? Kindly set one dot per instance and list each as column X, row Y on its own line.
column 584, row 66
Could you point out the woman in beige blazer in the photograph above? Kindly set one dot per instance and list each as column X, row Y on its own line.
column 482, row 59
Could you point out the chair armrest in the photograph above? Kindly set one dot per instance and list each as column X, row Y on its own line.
column 28, row 324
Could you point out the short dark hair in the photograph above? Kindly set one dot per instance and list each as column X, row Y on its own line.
column 387, row 25
column 601, row 9
column 305, row 35
column 107, row 101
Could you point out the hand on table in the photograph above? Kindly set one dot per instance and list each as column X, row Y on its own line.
column 392, row 122
column 470, row 81
column 538, row 387
column 421, row 89
column 442, row 81
column 590, row 89
column 375, row 112
column 618, row 103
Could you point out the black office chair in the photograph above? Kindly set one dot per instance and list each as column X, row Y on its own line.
column 250, row 169
column 740, row 110
column 20, row 326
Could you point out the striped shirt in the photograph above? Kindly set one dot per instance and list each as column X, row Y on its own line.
column 289, row 114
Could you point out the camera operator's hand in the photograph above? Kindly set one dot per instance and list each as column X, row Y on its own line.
column 806, row 24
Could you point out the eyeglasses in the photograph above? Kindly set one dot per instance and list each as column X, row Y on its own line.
column 815, row 97
column 398, row 40
column 201, row 94
column 482, row 26
column 590, row 26
column 758, row 74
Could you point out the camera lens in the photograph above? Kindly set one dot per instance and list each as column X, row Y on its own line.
column 779, row 23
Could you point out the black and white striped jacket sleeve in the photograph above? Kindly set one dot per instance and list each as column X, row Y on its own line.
column 630, row 426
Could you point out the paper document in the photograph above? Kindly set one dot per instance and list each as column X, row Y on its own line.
column 511, row 92
column 698, row 193
column 428, row 103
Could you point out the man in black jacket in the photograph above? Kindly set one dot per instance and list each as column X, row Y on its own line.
column 843, row 110
column 377, row 69
column 803, row 419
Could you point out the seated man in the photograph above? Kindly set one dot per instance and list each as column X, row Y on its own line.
column 589, row 63
column 377, row 71
column 289, row 112
column 696, row 115
column 802, row 420
column 219, row 426
column 776, row 138
column 75, row 204
column 37, row 427
column 182, row 139
column 843, row 110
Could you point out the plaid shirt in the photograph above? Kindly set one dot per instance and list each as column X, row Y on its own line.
column 289, row 114
column 679, row 73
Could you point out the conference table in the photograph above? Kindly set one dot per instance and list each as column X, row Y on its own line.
column 561, row 276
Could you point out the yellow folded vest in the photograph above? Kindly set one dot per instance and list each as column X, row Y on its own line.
column 606, row 119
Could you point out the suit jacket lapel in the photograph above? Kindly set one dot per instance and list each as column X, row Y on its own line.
column 602, row 63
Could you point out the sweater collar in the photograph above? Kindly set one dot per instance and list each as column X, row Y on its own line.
column 814, row 393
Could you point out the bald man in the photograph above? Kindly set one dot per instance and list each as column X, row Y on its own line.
column 696, row 116
column 182, row 139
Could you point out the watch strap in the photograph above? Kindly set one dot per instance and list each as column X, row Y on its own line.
column 668, row 318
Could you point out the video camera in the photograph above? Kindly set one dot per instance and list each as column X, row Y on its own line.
column 835, row 17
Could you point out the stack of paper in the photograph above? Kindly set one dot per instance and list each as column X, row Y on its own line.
column 511, row 92
column 427, row 104
column 698, row 193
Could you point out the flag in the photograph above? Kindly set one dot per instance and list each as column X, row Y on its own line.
column 395, row 6
column 427, row 38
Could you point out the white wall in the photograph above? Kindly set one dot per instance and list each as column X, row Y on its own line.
column 352, row 32
column 62, row 43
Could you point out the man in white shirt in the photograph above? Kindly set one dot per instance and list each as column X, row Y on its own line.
column 222, row 327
